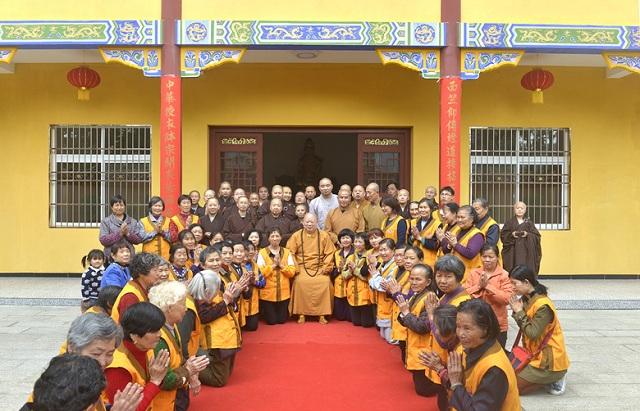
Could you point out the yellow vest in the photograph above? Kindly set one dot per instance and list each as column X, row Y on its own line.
column 385, row 302
column 339, row 284
column 176, row 220
column 158, row 245
column 122, row 358
column 428, row 231
column 493, row 357
column 358, row 291
column 554, row 356
column 131, row 287
column 224, row 331
column 173, row 276
column 194, row 340
column 416, row 342
column 484, row 228
column 476, row 261
column 166, row 400
column 390, row 228
column 399, row 331
column 278, row 283
column 433, row 344
column 454, row 229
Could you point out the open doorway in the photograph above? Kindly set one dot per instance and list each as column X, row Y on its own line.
column 301, row 159
column 249, row 157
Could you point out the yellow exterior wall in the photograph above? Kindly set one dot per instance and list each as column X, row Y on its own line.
column 601, row 113
column 76, row 10
column 604, row 118
column 313, row 10
column 35, row 97
column 596, row 12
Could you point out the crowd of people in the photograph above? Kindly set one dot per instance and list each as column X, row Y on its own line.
column 160, row 321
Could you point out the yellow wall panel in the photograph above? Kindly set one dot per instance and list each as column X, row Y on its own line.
column 313, row 10
column 75, row 10
column 583, row 12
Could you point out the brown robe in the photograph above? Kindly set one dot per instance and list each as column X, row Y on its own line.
column 237, row 228
column 312, row 289
column 214, row 226
column 339, row 219
column 269, row 222
column 522, row 250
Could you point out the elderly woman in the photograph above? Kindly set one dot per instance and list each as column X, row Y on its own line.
column 212, row 221
column 448, row 225
column 216, row 296
column 141, row 325
column 182, row 374
column 521, row 241
column 466, row 242
column 394, row 226
column 156, row 229
column 183, row 219
column 487, row 225
column 423, row 232
column 482, row 377
column 413, row 316
column 119, row 227
column 491, row 284
column 541, row 333
column 145, row 272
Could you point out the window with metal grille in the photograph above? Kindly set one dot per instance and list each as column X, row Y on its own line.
column 90, row 164
column 523, row 164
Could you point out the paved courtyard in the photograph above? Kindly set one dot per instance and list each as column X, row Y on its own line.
column 599, row 317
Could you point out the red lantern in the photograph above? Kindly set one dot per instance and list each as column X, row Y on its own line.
column 537, row 80
column 84, row 79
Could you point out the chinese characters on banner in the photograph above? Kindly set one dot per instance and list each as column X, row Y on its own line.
column 450, row 102
column 170, row 141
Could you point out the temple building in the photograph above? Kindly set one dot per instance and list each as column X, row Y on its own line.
column 504, row 99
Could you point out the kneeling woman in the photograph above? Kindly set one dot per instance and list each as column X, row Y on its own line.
column 414, row 316
column 133, row 361
column 171, row 298
column 541, row 335
column 277, row 267
column 482, row 376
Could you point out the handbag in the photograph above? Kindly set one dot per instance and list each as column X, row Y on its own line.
column 520, row 357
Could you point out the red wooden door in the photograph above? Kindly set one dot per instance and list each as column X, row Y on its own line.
column 236, row 158
column 384, row 158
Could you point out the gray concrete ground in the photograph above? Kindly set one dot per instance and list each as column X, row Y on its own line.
column 599, row 318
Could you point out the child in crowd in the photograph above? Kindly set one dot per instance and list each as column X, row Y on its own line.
column 117, row 273
column 356, row 275
column 340, row 305
column 381, row 274
column 91, row 277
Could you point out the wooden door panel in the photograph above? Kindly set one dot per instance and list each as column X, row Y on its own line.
column 384, row 158
column 237, row 158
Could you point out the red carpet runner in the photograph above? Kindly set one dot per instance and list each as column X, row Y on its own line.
column 314, row 367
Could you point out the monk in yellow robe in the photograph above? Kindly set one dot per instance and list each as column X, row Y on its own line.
column 312, row 290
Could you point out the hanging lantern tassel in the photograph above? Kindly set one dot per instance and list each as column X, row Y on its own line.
column 537, row 81
column 84, row 94
column 84, row 79
column 537, row 97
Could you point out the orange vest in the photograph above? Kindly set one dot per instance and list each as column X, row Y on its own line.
column 390, row 228
column 554, row 356
column 132, row 287
column 166, row 400
column 493, row 357
column 476, row 261
column 416, row 342
column 224, row 331
column 358, row 291
column 158, row 245
column 385, row 302
column 433, row 342
column 399, row 331
column 178, row 222
column 122, row 358
column 278, row 283
column 339, row 284
column 428, row 231
column 194, row 340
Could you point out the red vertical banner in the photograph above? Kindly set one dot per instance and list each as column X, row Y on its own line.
column 450, row 103
column 170, row 141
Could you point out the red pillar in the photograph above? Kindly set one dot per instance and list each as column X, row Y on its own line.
column 170, row 109
column 450, row 99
